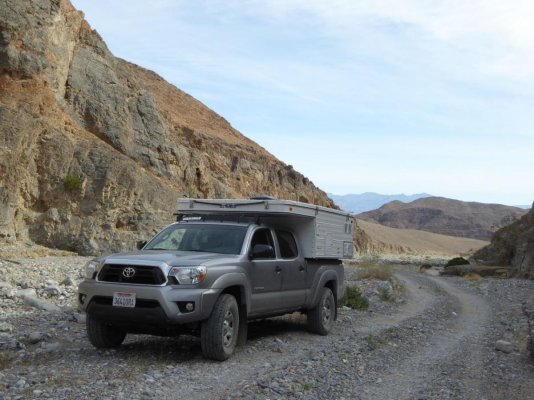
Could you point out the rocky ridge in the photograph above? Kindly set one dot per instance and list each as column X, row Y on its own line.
column 446, row 216
column 512, row 245
column 94, row 151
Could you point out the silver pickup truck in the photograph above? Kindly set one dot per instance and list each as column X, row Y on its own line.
column 214, row 270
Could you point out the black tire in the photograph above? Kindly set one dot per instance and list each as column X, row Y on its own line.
column 219, row 333
column 321, row 317
column 102, row 335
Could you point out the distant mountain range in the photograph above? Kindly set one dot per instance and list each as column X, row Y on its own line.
column 358, row 203
column 446, row 216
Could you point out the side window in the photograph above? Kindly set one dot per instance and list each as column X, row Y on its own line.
column 288, row 246
column 262, row 236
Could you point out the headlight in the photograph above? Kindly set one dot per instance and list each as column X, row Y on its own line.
column 188, row 275
column 90, row 269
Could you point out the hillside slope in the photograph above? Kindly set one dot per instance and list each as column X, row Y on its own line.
column 512, row 245
column 446, row 216
column 94, row 151
column 375, row 238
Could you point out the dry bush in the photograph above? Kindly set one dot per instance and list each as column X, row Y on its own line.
column 456, row 261
column 385, row 294
column 380, row 272
column 425, row 267
column 370, row 268
column 354, row 298
column 471, row 276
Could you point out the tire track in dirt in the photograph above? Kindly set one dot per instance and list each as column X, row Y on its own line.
column 261, row 364
column 445, row 356
column 449, row 363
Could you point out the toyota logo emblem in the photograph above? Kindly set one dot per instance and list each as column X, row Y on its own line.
column 128, row 272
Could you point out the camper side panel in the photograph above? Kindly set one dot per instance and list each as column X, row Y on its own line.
column 333, row 236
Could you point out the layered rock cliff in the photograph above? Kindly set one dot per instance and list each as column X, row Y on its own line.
column 95, row 151
column 446, row 216
column 512, row 245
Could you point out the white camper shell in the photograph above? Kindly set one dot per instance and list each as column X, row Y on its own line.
column 322, row 232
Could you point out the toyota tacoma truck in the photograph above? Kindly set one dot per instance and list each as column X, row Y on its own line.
column 223, row 263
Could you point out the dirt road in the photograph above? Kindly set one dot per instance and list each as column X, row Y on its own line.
column 437, row 342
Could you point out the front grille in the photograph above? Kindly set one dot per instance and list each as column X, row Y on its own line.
column 143, row 275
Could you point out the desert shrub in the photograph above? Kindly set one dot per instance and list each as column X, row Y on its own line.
column 398, row 286
column 369, row 260
column 354, row 298
column 424, row 267
column 380, row 272
column 472, row 276
column 374, row 342
column 456, row 261
column 72, row 183
column 385, row 294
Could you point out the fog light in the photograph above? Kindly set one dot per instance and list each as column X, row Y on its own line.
column 186, row 306
column 82, row 298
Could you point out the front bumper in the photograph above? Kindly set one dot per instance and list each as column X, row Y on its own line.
column 157, row 305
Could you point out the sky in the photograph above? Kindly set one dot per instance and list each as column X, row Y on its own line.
column 398, row 96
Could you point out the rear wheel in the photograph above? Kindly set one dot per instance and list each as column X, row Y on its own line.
column 218, row 334
column 321, row 317
column 103, row 335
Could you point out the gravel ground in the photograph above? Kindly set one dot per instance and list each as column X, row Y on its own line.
column 436, row 338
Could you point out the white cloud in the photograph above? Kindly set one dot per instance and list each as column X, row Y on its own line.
column 500, row 33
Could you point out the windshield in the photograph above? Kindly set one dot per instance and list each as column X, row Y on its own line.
column 224, row 239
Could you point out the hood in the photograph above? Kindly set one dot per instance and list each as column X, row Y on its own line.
column 171, row 258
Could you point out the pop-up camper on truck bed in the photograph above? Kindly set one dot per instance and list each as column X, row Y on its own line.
column 223, row 263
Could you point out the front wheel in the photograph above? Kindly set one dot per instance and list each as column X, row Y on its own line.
column 102, row 335
column 321, row 317
column 218, row 334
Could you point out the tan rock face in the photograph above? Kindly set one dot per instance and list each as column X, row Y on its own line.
column 94, row 151
column 512, row 245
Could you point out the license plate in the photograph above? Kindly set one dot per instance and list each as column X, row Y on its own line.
column 121, row 299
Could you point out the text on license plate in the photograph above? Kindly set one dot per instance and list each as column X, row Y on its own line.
column 122, row 299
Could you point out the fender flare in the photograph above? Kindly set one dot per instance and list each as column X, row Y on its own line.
column 235, row 279
column 320, row 282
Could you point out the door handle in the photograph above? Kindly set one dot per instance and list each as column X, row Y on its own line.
column 301, row 268
column 278, row 269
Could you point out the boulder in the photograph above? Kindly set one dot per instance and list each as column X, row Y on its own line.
column 41, row 304
column 504, row 346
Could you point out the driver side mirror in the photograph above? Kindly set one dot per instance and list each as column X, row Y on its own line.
column 141, row 244
column 262, row 251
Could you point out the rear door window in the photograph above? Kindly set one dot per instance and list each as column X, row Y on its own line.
column 287, row 244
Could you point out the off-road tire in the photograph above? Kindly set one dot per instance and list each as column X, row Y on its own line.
column 219, row 333
column 321, row 317
column 102, row 335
